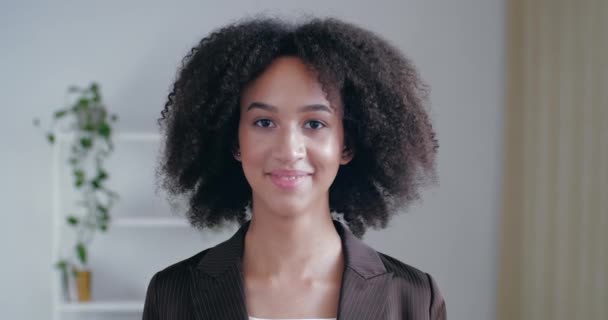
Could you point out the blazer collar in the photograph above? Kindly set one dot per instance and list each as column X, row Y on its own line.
column 218, row 291
column 357, row 255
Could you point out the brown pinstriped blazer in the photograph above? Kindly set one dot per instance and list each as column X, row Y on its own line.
column 209, row 285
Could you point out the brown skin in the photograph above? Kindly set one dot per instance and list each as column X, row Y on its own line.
column 293, row 259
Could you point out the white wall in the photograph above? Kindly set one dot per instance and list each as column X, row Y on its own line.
column 133, row 47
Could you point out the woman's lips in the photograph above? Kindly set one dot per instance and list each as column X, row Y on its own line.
column 288, row 179
column 289, row 172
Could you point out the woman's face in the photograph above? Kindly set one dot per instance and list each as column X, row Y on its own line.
column 290, row 139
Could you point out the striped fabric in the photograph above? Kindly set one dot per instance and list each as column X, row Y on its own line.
column 253, row 318
column 209, row 285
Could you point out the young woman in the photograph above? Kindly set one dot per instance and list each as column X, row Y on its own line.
column 302, row 125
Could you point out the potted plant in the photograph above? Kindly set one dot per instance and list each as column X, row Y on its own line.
column 89, row 133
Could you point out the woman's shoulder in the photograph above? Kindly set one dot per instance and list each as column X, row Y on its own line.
column 401, row 269
column 407, row 273
column 211, row 260
column 414, row 282
column 181, row 267
column 168, row 292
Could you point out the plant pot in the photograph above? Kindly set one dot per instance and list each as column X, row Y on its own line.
column 83, row 285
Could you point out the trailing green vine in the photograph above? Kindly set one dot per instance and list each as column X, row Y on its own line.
column 89, row 133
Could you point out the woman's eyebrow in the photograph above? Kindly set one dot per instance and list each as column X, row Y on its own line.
column 307, row 108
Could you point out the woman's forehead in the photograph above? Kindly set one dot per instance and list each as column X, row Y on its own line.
column 287, row 83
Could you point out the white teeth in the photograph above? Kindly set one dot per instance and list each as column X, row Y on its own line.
column 289, row 177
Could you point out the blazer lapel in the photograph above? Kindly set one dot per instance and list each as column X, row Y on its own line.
column 217, row 281
column 218, row 288
column 365, row 280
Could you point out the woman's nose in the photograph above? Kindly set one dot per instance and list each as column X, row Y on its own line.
column 289, row 145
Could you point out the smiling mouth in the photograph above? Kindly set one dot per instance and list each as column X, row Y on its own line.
column 289, row 178
column 287, row 181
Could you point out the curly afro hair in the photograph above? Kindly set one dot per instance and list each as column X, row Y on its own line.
column 385, row 119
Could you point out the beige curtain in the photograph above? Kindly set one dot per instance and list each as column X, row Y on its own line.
column 554, row 254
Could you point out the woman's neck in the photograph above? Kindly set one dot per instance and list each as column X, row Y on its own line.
column 302, row 247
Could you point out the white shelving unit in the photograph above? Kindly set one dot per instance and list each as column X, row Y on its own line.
column 99, row 307
column 149, row 222
column 60, row 306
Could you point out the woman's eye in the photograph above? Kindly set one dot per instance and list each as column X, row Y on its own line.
column 264, row 123
column 314, row 124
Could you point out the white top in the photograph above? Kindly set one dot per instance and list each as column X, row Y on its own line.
column 253, row 318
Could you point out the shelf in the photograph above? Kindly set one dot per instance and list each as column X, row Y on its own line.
column 150, row 222
column 100, row 309
column 118, row 136
column 105, row 306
